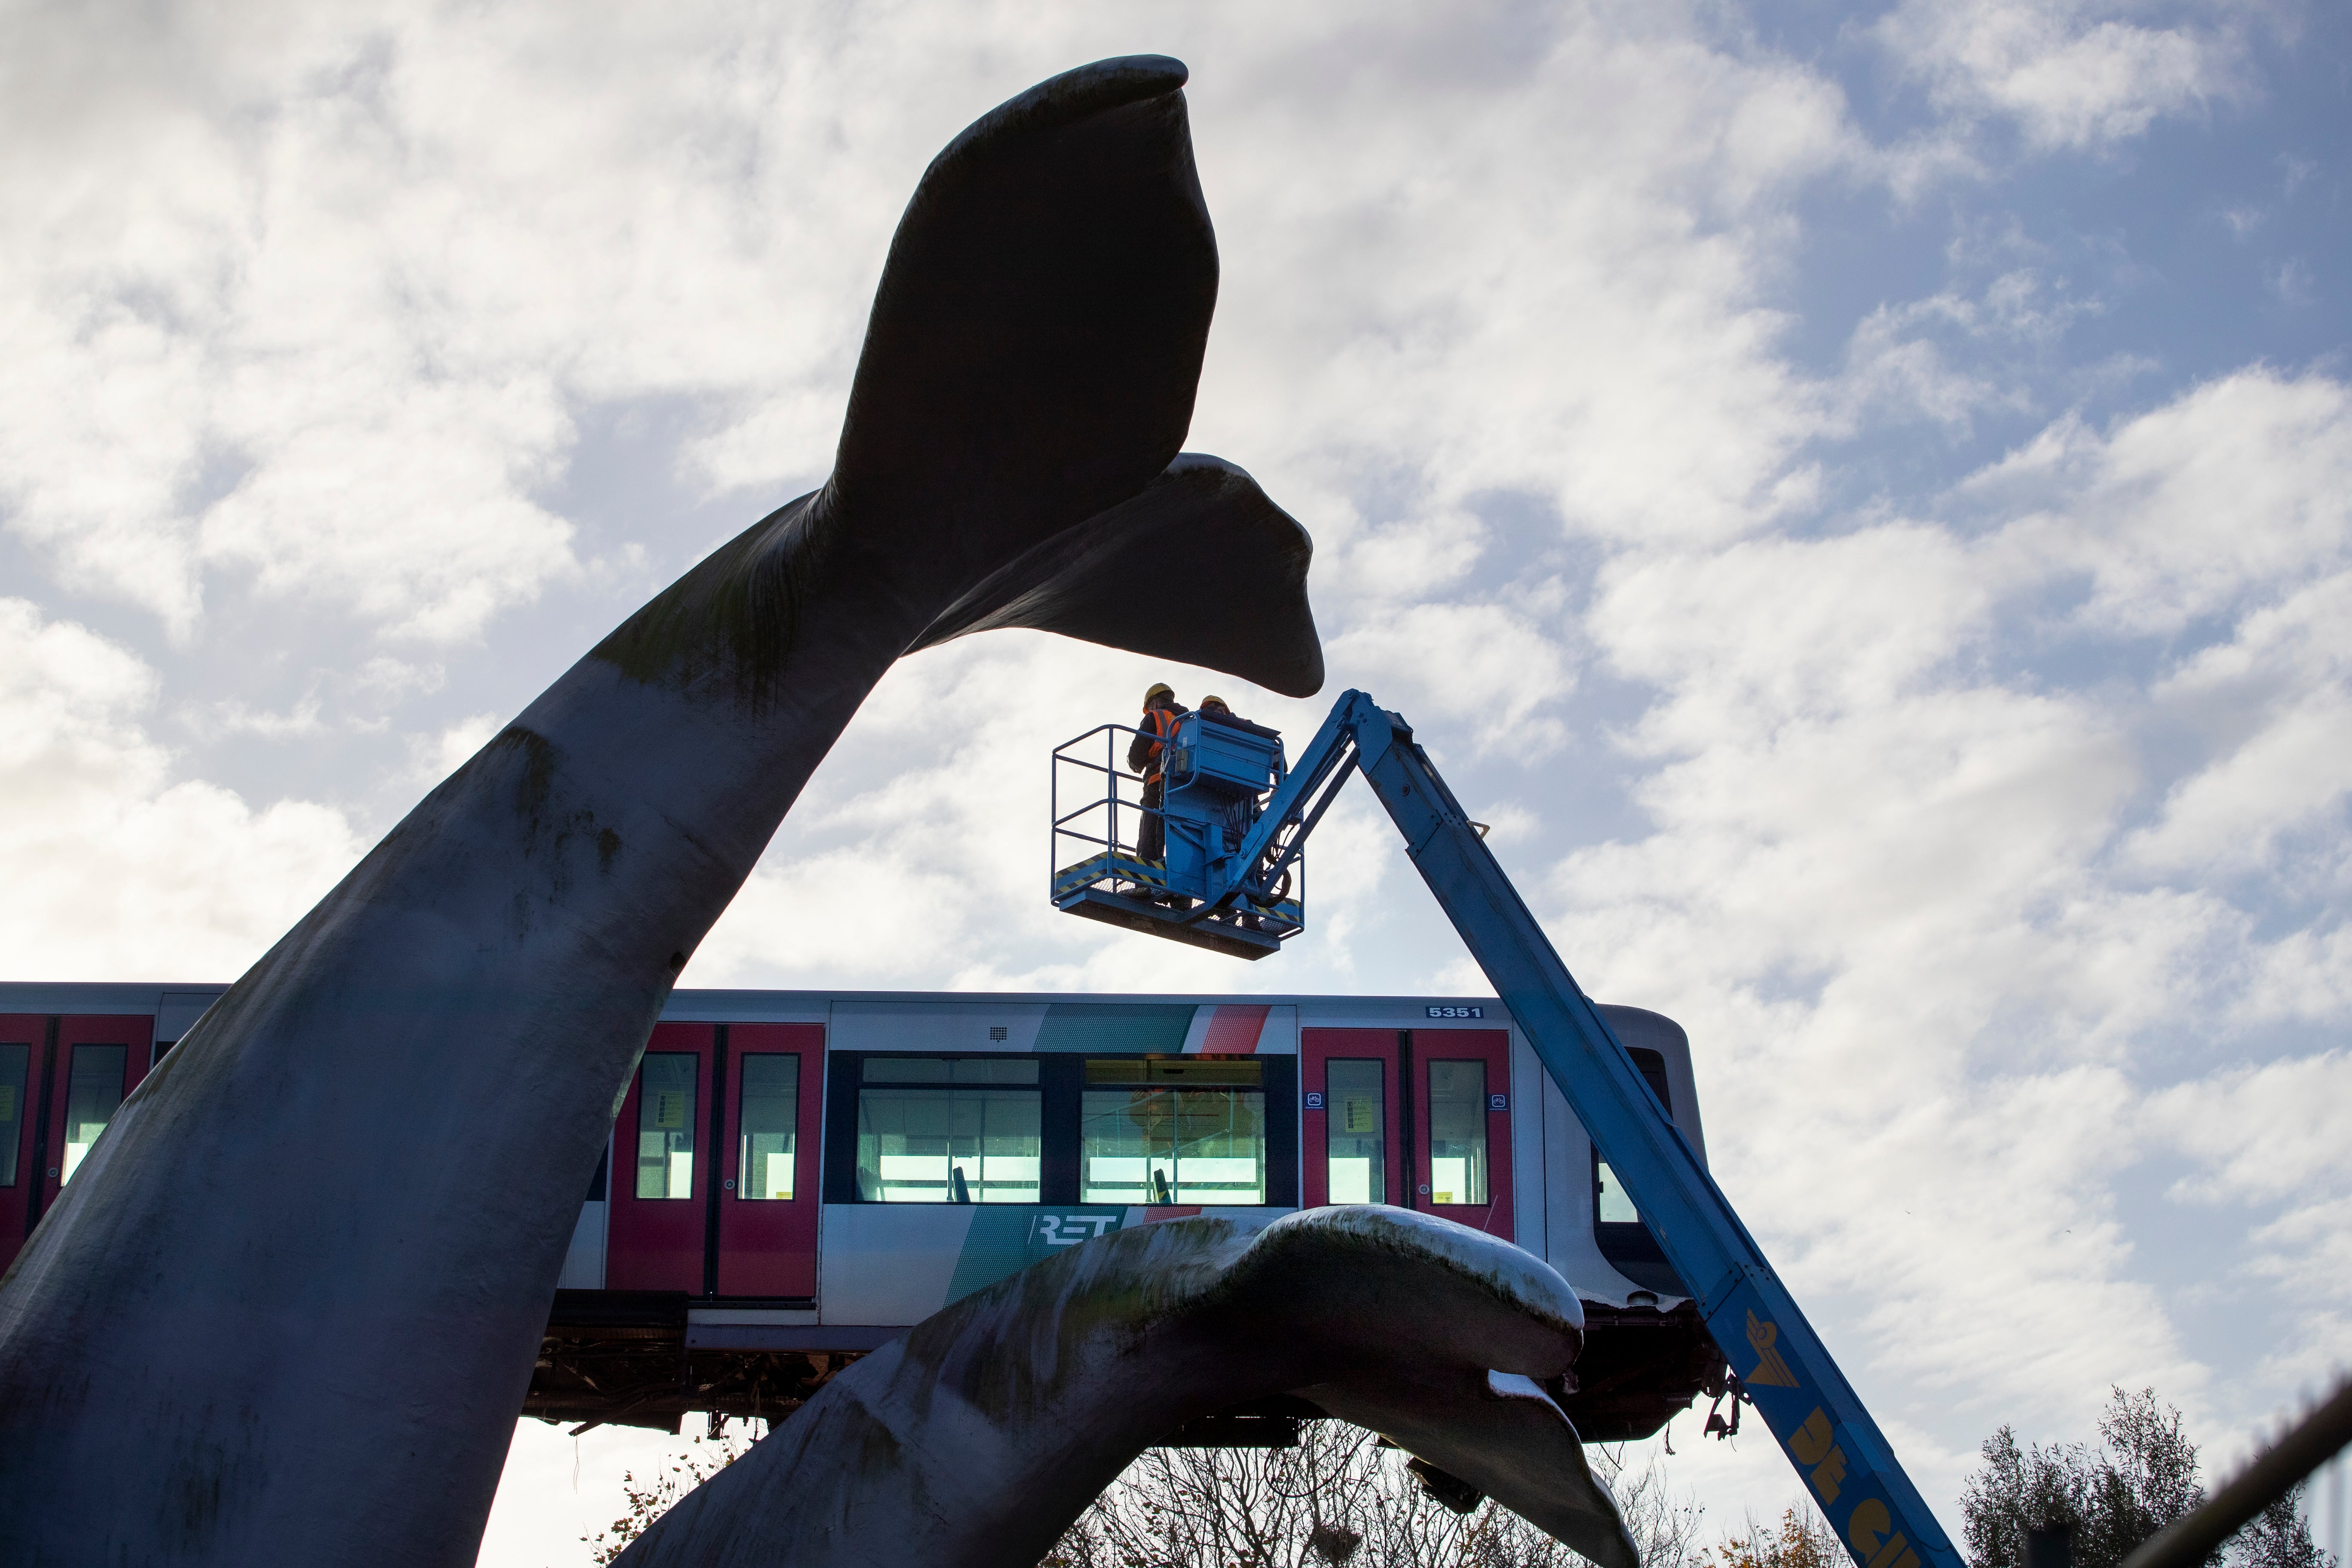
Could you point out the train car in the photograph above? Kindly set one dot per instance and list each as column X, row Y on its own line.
column 796, row 1177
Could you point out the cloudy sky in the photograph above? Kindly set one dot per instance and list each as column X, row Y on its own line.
column 1859, row 496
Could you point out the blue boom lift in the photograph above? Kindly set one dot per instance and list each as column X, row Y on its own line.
column 1236, row 823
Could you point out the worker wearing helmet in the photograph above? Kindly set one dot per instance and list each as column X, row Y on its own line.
column 1147, row 754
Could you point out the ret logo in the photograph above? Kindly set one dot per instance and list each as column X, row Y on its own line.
column 1069, row 1229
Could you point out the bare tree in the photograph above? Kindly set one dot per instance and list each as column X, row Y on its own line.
column 1803, row 1541
column 1664, row 1523
column 1340, row 1498
column 652, row 1498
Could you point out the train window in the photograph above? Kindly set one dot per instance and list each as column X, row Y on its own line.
column 1457, row 1133
column 1357, row 1137
column 15, row 1060
column 770, row 1125
column 942, row 1129
column 92, row 1092
column 1612, row 1206
column 958, row 1069
column 1187, row 1130
column 665, row 1124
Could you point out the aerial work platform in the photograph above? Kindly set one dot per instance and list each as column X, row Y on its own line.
column 1219, row 771
column 1245, row 835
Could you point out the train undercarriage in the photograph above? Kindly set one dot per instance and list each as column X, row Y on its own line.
column 623, row 1358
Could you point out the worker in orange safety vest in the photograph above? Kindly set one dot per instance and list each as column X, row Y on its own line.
column 1147, row 754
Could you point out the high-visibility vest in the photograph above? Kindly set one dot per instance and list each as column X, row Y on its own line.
column 1161, row 722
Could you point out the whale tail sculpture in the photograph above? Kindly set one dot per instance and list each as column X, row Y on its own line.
column 975, row 1440
column 309, row 1263
column 1010, row 457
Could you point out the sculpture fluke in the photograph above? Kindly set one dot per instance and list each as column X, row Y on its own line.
column 1118, row 578
column 288, row 1307
column 977, row 1439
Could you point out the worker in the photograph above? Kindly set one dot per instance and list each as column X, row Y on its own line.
column 1148, row 754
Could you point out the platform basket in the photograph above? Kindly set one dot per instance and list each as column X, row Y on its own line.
column 1098, row 873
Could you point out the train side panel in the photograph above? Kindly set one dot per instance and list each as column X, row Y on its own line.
column 794, row 1178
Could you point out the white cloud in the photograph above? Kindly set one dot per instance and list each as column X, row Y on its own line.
column 1406, row 560
column 1896, row 367
column 1765, row 631
column 2243, row 487
column 316, row 307
column 360, row 267
column 2269, row 1139
column 235, row 718
column 1490, row 667
column 1909, row 375
column 341, row 509
column 114, row 869
column 433, row 758
column 2072, row 74
column 98, row 440
column 2307, row 1251
column 1891, row 880
column 1562, row 253
column 2232, row 504
column 2270, row 1131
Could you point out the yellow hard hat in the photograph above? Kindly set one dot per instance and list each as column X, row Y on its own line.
column 1159, row 689
column 1215, row 702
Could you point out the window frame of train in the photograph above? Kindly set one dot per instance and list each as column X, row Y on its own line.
column 74, row 1065
column 1624, row 1240
column 1182, row 1085
column 1426, row 1121
column 1166, row 1132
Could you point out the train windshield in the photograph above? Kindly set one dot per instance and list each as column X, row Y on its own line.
column 1612, row 1205
column 1186, row 1131
column 1614, row 1208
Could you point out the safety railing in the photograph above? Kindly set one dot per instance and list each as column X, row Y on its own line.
column 1098, row 817
column 1088, row 844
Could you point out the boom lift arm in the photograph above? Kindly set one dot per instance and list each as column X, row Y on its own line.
column 1797, row 1387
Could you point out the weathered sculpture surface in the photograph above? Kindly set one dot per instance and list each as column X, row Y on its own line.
column 975, row 1440
column 288, row 1308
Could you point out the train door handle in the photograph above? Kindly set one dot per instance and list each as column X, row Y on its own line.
column 731, row 1183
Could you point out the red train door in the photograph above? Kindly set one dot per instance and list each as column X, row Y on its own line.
column 768, row 1202
column 1460, row 1083
column 23, row 1052
column 659, row 1215
column 1351, row 1134
column 62, row 1081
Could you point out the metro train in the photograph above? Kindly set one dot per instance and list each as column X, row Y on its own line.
column 796, row 1177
